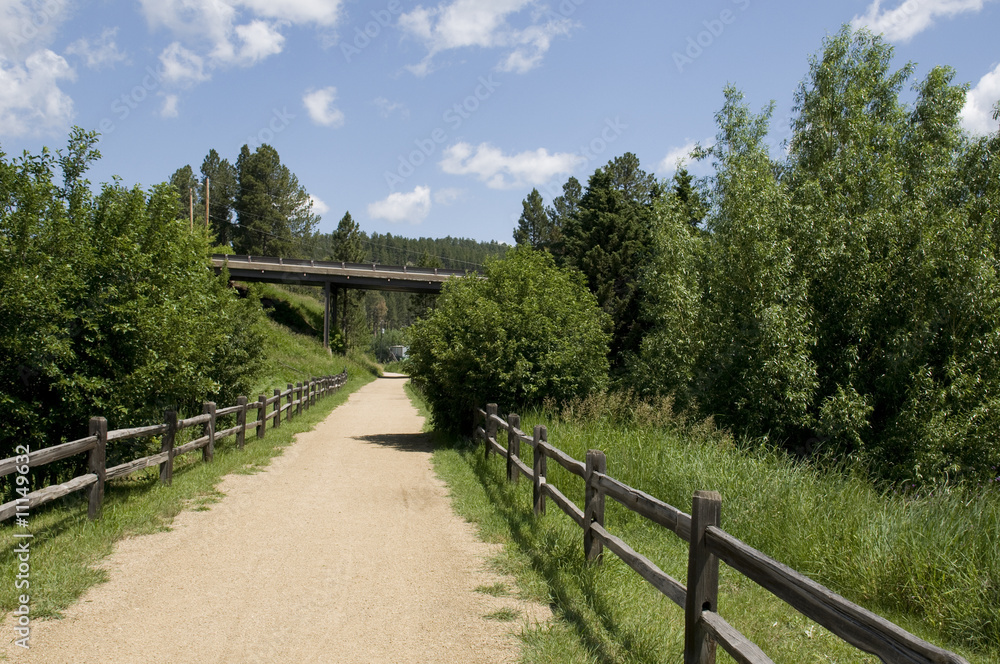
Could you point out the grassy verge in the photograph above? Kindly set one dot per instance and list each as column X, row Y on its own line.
column 897, row 555
column 67, row 548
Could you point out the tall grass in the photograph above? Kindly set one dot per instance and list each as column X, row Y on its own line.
column 929, row 562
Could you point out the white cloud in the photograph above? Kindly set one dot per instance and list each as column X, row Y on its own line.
column 500, row 171
column 181, row 66
column 256, row 41
column 447, row 196
column 169, row 109
column 412, row 207
column 977, row 114
column 319, row 207
column 300, row 12
column 469, row 23
column 911, row 17
column 100, row 53
column 234, row 32
column 319, row 103
column 27, row 26
column 670, row 163
column 386, row 107
column 30, row 99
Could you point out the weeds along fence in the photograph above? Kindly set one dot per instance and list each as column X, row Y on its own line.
column 708, row 544
column 285, row 404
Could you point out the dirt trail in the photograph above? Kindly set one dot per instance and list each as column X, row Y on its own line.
column 345, row 549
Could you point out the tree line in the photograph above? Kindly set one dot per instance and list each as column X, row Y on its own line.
column 841, row 299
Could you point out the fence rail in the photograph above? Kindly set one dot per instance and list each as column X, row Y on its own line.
column 708, row 544
column 299, row 396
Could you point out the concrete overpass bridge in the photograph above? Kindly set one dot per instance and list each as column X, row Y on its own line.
column 334, row 276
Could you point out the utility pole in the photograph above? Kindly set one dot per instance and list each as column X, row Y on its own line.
column 191, row 207
column 206, row 202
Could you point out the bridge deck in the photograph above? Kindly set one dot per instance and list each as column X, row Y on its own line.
column 367, row 276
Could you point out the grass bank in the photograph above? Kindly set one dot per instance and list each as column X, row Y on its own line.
column 67, row 548
column 930, row 563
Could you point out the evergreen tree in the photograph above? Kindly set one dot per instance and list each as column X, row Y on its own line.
column 534, row 228
column 347, row 241
column 188, row 191
column 273, row 212
column 608, row 239
column 223, row 186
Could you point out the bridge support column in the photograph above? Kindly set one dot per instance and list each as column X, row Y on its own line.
column 326, row 315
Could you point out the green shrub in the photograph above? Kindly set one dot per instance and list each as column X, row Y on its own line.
column 526, row 332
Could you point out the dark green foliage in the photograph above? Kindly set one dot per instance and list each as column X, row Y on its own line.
column 534, row 227
column 273, row 212
column 848, row 297
column 223, row 186
column 108, row 306
column 607, row 238
column 188, row 194
column 527, row 332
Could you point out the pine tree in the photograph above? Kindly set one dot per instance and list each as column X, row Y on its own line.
column 534, row 228
column 223, row 186
column 273, row 212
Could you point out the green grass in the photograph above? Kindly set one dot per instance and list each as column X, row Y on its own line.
column 504, row 615
column 67, row 548
column 930, row 563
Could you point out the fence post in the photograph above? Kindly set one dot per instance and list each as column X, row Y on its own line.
column 703, row 579
column 593, row 505
column 277, row 408
column 513, row 447
column 261, row 412
column 539, row 466
column 298, row 407
column 208, row 452
column 491, row 427
column 291, row 398
column 167, row 445
column 241, row 421
column 97, row 464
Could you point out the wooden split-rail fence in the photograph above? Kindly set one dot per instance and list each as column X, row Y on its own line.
column 708, row 544
column 283, row 404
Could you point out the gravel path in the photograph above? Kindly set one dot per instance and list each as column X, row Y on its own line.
column 345, row 549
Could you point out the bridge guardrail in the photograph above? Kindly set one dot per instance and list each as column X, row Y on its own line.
column 373, row 267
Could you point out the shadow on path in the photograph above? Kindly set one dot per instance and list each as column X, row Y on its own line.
column 406, row 442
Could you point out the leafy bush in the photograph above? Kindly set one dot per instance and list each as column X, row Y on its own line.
column 108, row 306
column 526, row 332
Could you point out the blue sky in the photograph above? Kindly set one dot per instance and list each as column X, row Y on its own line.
column 436, row 118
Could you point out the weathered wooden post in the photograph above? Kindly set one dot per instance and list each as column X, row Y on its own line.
column 702, row 581
column 291, row 398
column 513, row 447
column 167, row 445
column 491, row 427
column 97, row 464
column 539, row 466
column 298, row 406
column 241, row 421
column 261, row 413
column 277, row 408
column 208, row 452
column 593, row 505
